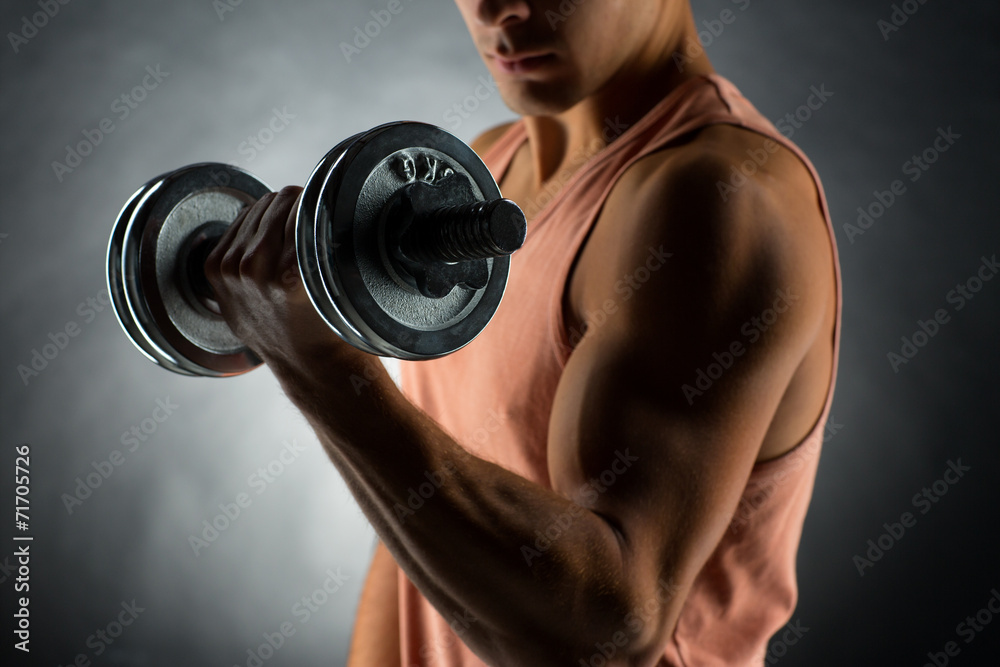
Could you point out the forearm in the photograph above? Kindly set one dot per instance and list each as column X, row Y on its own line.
column 463, row 547
column 375, row 641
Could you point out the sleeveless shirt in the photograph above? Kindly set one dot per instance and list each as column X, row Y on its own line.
column 495, row 397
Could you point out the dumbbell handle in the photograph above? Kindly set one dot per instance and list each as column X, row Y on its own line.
column 195, row 251
column 450, row 234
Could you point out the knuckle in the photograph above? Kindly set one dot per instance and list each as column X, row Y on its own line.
column 211, row 269
column 230, row 260
column 211, row 261
column 247, row 263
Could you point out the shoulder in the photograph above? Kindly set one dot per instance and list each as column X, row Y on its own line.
column 727, row 192
column 722, row 171
column 485, row 141
column 738, row 212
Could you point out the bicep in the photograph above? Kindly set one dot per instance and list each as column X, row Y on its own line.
column 628, row 437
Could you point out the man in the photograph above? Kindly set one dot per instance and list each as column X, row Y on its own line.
column 617, row 470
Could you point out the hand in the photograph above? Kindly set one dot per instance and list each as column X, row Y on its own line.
column 254, row 273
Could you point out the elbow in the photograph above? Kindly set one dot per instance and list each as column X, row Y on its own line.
column 618, row 649
column 634, row 632
column 609, row 635
column 605, row 617
column 620, row 635
column 621, row 648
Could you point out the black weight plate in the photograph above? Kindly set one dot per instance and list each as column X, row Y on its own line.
column 392, row 318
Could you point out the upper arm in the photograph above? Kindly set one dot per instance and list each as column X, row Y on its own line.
column 623, row 388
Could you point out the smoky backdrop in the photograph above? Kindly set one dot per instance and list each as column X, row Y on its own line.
column 100, row 96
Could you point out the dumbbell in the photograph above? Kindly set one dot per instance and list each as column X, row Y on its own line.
column 403, row 245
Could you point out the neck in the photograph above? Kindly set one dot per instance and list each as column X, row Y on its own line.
column 560, row 143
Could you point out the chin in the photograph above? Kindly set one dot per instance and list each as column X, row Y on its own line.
column 539, row 98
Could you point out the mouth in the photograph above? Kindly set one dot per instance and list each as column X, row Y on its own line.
column 522, row 64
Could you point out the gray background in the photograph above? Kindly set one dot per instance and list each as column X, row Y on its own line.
column 129, row 539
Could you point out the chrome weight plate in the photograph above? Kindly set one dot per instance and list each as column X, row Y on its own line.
column 116, row 279
column 184, row 335
column 307, row 252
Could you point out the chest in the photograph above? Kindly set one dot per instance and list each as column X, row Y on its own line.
column 536, row 201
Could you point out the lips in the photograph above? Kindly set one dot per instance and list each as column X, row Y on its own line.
column 522, row 64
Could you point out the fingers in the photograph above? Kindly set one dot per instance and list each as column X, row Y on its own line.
column 213, row 263
column 292, row 221
column 265, row 253
column 272, row 232
column 256, row 240
column 251, row 222
column 289, row 261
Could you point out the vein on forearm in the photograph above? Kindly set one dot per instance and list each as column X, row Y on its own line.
column 462, row 547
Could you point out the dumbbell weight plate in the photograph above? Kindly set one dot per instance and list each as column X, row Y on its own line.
column 116, row 281
column 308, row 254
column 358, row 294
column 181, row 334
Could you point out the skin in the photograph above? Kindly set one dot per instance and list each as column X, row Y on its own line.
column 621, row 386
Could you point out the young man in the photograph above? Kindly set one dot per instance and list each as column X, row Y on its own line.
column 616, row 472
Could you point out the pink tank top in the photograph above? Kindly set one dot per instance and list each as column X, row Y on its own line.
column 495, row 397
